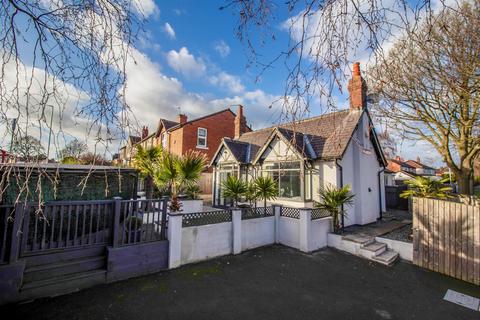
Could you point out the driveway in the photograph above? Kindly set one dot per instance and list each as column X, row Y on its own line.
column 267, row 283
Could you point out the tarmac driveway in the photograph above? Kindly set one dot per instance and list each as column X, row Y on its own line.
column 267, row 283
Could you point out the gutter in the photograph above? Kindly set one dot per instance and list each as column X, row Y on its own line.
column 380, row 193
column 341, row 186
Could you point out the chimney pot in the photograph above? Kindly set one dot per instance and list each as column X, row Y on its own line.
column 357, row 89
column 182, row 118
column 240, row 122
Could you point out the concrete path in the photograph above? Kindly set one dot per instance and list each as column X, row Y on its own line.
column 267, row 283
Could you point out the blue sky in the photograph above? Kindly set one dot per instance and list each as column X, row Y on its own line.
column 188, row 59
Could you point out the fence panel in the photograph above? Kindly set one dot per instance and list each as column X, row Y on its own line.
column 66, row 224
column 142, row 221
column 6, row 224
column 259, row 212
column 447, row 238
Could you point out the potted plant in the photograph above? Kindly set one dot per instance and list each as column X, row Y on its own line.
column 176, row 173
column 133, row 229
column 333, row 200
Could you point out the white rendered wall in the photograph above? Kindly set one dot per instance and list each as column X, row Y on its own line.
column 289, row 232
column 206, row 242
column 360, row 171
column 319, row 230
column 258, row 232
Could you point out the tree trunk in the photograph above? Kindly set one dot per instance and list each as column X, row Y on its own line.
column 464, row 181
column 149, row 187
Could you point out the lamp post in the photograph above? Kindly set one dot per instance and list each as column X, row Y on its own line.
column 49, row 135
column 14, row 126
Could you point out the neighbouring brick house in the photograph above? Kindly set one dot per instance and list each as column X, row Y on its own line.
column 401, row 170
column 202, row 135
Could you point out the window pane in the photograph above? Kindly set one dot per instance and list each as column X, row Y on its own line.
column 290, row 165
column 290, row 184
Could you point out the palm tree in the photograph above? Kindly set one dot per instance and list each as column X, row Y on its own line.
column 234, row 188
column 176, row 173
column 332, row 200
column 145, row 161
column 251, row 194
column 266, row 190
column 426, row 188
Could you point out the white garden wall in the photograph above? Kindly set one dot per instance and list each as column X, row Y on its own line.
column 191, row 244
column 289, row 232
column 258, row 232
column 206, row 242
column 320, row 229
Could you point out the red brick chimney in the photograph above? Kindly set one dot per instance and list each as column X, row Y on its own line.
column 240, row 122
column 181, row 118
column 357, row 89
column 144, row 132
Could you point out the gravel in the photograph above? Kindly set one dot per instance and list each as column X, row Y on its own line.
column 400, row 234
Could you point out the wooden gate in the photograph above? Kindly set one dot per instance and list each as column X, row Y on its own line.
column 446, row 238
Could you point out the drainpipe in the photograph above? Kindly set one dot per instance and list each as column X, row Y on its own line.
column 341, row 186
column 380, row 192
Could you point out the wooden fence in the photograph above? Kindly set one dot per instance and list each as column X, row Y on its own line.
column 446, row 238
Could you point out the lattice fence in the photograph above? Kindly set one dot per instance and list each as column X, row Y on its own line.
column 203, row 218
column 319, row 213
column 260, row 212
column 290, row 212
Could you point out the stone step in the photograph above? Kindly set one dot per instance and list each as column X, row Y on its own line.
column 359, row 238
column 61, row 285
column 376, row 247
column 387, row 258
column 53, row 270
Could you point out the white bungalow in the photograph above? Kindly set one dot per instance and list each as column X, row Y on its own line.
column 338, row 148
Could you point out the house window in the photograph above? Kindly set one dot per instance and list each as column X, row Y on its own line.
column 202, row 138
column 164, row 140
column 287, row 175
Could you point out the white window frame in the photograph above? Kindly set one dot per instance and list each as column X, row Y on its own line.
column 198, row 138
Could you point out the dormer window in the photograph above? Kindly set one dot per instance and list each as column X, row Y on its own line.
column 202, row 138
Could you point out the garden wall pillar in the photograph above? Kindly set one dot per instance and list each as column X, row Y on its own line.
column 305, row 229
column 237, row 230
column 175, row 240
column 277, row 210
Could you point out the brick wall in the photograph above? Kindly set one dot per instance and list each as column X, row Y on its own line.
column 218, row 126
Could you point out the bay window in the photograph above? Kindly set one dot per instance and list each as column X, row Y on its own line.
column 288, row 177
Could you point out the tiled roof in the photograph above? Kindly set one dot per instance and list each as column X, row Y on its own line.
column 416, row 164
column 168, row 123
column 240, row 150
column 135, row 139
column 401, row 163
column 328, row 134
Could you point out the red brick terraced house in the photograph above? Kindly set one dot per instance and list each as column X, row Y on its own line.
column 202, row 135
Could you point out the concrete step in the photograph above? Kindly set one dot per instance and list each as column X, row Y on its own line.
column 53, row 270
column 375, row 247
column 61, row 285
column 387, row 258
column 359, row 238
column 372, row 249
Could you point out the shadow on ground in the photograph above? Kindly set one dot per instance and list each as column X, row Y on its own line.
column 267, row 283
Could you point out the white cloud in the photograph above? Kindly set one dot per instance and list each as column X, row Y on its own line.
column 232, row 83
column 185, row 63
column 146, row 7
column 168, row 29
column 222, row 48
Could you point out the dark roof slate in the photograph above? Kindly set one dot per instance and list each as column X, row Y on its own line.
column 328, row 134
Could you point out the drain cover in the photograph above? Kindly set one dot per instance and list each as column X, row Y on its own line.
column 462, row 299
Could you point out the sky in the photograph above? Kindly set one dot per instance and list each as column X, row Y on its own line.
column 188, row 60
